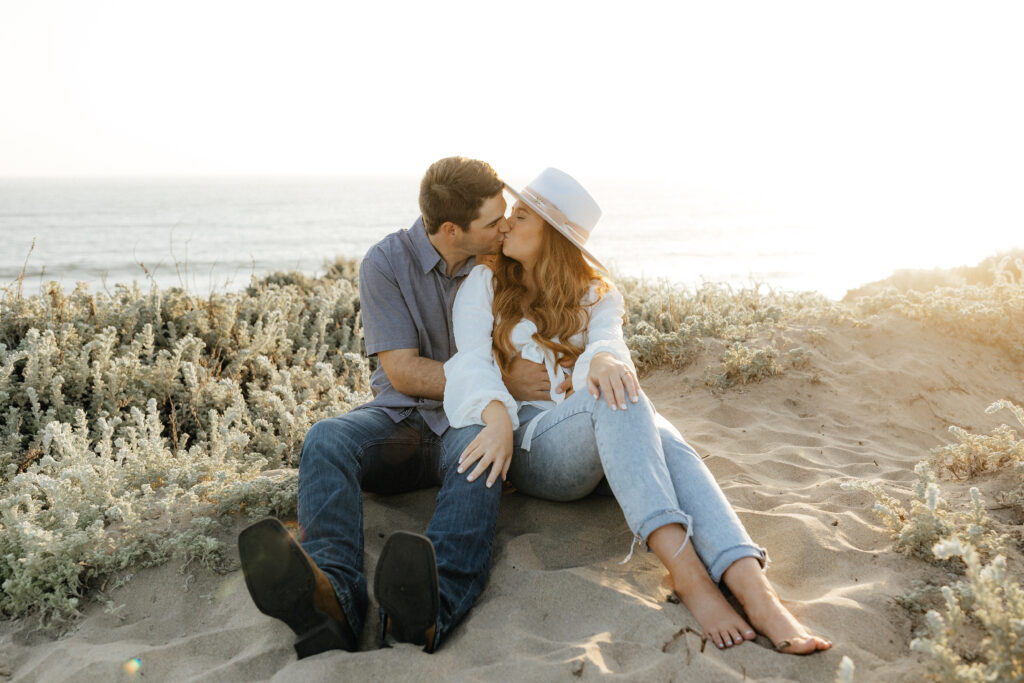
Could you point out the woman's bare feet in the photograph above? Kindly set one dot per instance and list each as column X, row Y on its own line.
column 719, row 621
column 690, row 580
column 767, row 613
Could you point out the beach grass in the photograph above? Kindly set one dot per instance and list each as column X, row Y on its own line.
column 135, row 421
column 973, row 626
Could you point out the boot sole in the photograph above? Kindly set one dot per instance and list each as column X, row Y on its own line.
column 406, row 587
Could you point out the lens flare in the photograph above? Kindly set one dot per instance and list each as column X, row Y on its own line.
column 132, row 666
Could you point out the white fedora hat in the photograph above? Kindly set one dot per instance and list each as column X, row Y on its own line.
column 565, row 204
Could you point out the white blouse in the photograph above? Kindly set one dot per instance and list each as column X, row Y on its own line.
column 472, row 376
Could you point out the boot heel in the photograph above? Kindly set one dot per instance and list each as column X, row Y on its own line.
column 326, row 635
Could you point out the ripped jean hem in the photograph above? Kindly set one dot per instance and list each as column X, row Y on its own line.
column 659, row 519
column 655, row 522
column 726, row 558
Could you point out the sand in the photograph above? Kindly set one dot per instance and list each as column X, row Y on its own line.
column 871, row 403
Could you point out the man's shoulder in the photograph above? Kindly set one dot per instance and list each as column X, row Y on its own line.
column 391, row 251
column 390, row 244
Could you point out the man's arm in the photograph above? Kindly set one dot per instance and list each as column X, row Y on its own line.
column 412, row 374
column 527, row 381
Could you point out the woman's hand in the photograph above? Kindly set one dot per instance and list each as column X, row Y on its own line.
column 610, row 376
column 492, row 447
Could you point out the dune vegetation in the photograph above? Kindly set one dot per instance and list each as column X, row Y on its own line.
column 135, row 421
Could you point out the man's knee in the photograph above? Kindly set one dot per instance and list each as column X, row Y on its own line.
column 330, row 437
column 455, row 441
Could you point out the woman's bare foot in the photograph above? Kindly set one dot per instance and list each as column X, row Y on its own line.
column 767, row 613
column 690, row 580
column 719, row 621
column 788, row 635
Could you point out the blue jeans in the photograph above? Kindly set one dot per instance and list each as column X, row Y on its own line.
column 364, row 450
column 656, row 476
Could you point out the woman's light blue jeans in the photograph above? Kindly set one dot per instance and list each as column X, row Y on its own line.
column 656, row 476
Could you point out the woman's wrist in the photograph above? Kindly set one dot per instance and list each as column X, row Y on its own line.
column 495, row 415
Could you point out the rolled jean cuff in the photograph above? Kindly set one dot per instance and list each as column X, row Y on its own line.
column 660, row 519
column 730, row 555
column 355, row 622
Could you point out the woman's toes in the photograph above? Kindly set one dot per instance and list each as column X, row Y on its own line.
column 750, row 634
column 802, row 645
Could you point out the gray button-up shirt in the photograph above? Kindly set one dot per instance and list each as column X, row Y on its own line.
column 406, row 303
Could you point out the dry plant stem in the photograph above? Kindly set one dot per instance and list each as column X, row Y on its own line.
column 695, row 588
column 766, row 612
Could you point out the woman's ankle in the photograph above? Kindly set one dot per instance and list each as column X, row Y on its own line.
column 747, row 581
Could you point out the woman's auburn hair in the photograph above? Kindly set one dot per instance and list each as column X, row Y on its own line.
column 558, row 311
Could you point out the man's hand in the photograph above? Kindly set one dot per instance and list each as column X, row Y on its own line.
column 614, row 379
column 566, row 386
column 527, row 381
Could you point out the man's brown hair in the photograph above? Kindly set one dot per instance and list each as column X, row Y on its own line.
column 453, row 189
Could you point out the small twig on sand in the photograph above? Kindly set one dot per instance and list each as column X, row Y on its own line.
column 703, row 638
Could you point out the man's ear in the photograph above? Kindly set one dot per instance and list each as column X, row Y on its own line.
column 449, row 229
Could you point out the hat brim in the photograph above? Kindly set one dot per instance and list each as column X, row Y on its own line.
column 557, row 226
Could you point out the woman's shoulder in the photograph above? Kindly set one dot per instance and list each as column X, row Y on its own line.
column 599, row 289
column 481, row 273
column 479, row 280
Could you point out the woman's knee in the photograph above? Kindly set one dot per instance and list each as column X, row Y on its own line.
column 672, row 442
column 643, row 411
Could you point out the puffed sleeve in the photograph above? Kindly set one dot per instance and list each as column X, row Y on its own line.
column 604, row 333
column 472, row 376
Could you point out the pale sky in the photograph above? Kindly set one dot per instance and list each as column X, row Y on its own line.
column 911, row 110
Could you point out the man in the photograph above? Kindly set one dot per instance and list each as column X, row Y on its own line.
column 397, row 442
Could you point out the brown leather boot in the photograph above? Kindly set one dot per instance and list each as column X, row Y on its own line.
column 286, row 584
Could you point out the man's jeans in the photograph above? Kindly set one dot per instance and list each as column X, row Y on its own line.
column 365, row 450
column 656, row 476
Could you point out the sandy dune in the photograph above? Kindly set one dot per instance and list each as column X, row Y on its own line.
column 870, row 404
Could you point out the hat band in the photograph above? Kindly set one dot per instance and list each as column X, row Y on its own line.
column 554, row 212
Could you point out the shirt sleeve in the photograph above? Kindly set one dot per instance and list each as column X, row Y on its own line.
column 387, row 322
column 604, row 333
column 472, row 376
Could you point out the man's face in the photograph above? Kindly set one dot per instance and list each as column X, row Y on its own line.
column 486, row 233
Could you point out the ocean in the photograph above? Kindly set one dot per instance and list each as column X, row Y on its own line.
column 214, row 234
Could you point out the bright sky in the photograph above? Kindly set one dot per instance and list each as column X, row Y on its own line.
column 902, row 113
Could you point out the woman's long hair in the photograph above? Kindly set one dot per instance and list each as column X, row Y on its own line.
column 564, row 277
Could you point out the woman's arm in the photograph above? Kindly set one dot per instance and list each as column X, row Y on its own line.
column 605, row 367
column 473, row 378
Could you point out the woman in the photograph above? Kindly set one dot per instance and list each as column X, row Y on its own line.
column 543, row 300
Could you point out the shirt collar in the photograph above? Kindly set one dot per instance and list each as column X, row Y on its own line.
column 427, row 256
